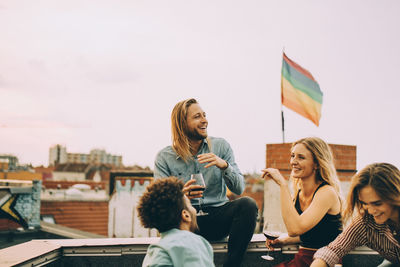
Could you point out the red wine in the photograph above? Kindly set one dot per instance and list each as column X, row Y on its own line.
column 271, row 235
column 198, row 189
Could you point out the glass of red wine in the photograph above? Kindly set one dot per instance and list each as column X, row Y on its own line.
column 199, row 181
column 271, row 232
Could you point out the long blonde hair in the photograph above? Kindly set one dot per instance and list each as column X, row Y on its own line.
column 323, row 157
column 384, row 178
column 180, row 141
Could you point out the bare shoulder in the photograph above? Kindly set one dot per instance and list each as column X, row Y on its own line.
column 328, row 197
column 326, row 192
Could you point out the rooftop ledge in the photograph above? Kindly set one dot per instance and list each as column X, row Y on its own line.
column 49, row 251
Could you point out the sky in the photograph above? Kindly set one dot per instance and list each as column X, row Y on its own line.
column 107, row 73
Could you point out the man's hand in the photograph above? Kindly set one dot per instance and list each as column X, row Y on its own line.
column 212, row 160
column 188, row 189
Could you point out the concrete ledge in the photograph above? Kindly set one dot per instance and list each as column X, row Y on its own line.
column 118, row 251
column 35, row 251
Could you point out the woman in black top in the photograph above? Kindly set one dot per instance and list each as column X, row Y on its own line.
column 315, row 218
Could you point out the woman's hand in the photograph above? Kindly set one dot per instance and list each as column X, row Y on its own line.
column 276, row 243
column 188, row 189
column 275, row 175
column 283, row 239
column 271, row 244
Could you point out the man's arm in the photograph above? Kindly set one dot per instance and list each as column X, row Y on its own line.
column 161, row 167
column 225, row 161
column 233, row 177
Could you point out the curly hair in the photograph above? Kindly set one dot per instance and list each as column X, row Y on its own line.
column 161, row 204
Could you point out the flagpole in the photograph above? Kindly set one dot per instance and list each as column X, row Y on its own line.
column 283, row 125
column 282, row 117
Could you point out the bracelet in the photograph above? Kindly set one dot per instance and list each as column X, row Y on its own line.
column 227, row 165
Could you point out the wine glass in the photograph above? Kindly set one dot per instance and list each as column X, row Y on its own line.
column 271, row 232
column 199, row 181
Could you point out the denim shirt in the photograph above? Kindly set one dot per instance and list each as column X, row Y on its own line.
column 168, row 163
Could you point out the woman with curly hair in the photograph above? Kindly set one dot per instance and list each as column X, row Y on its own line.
column 164, row 206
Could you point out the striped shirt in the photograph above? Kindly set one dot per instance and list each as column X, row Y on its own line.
column 363, row 231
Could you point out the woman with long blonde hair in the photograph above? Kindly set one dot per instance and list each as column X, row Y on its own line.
column 315, row 218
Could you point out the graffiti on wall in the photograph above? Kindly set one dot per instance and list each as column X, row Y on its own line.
column 21, row 204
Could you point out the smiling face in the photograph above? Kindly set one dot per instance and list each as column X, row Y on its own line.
column 196, row 123
column 372, row 203
column 302, row 162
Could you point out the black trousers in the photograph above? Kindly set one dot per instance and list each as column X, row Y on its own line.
column 235, row 218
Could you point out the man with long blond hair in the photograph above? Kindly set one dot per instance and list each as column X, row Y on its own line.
column 192, row 152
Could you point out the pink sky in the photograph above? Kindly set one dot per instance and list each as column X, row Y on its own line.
column 106, row 74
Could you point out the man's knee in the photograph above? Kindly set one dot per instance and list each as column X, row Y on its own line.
column 248, row 206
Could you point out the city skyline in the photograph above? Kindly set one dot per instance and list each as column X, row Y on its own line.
column 106, row 74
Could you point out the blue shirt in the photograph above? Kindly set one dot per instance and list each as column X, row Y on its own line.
column 179, row 248
column 168, row 163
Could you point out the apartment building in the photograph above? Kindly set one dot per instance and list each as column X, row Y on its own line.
column 58, row 155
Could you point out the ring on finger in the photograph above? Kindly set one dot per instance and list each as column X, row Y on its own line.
column 189, row 193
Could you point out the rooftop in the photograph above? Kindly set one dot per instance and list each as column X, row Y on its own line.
column 131, row 251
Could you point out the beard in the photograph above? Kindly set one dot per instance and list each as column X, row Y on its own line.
column 194, row 227
column 195, row 136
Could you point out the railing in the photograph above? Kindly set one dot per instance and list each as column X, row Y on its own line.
column 131, row 251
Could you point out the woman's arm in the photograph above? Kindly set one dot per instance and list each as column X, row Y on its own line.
column 353, row 236
column 298, row 224
column 318, row 263
column 291, row 240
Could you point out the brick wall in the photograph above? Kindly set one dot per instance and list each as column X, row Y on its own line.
column 21, row 175
column 278, row 156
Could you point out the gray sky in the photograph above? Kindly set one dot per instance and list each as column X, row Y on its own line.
column 106, row 74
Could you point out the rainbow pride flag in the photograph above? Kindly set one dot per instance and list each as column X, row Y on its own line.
column 300, row 91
